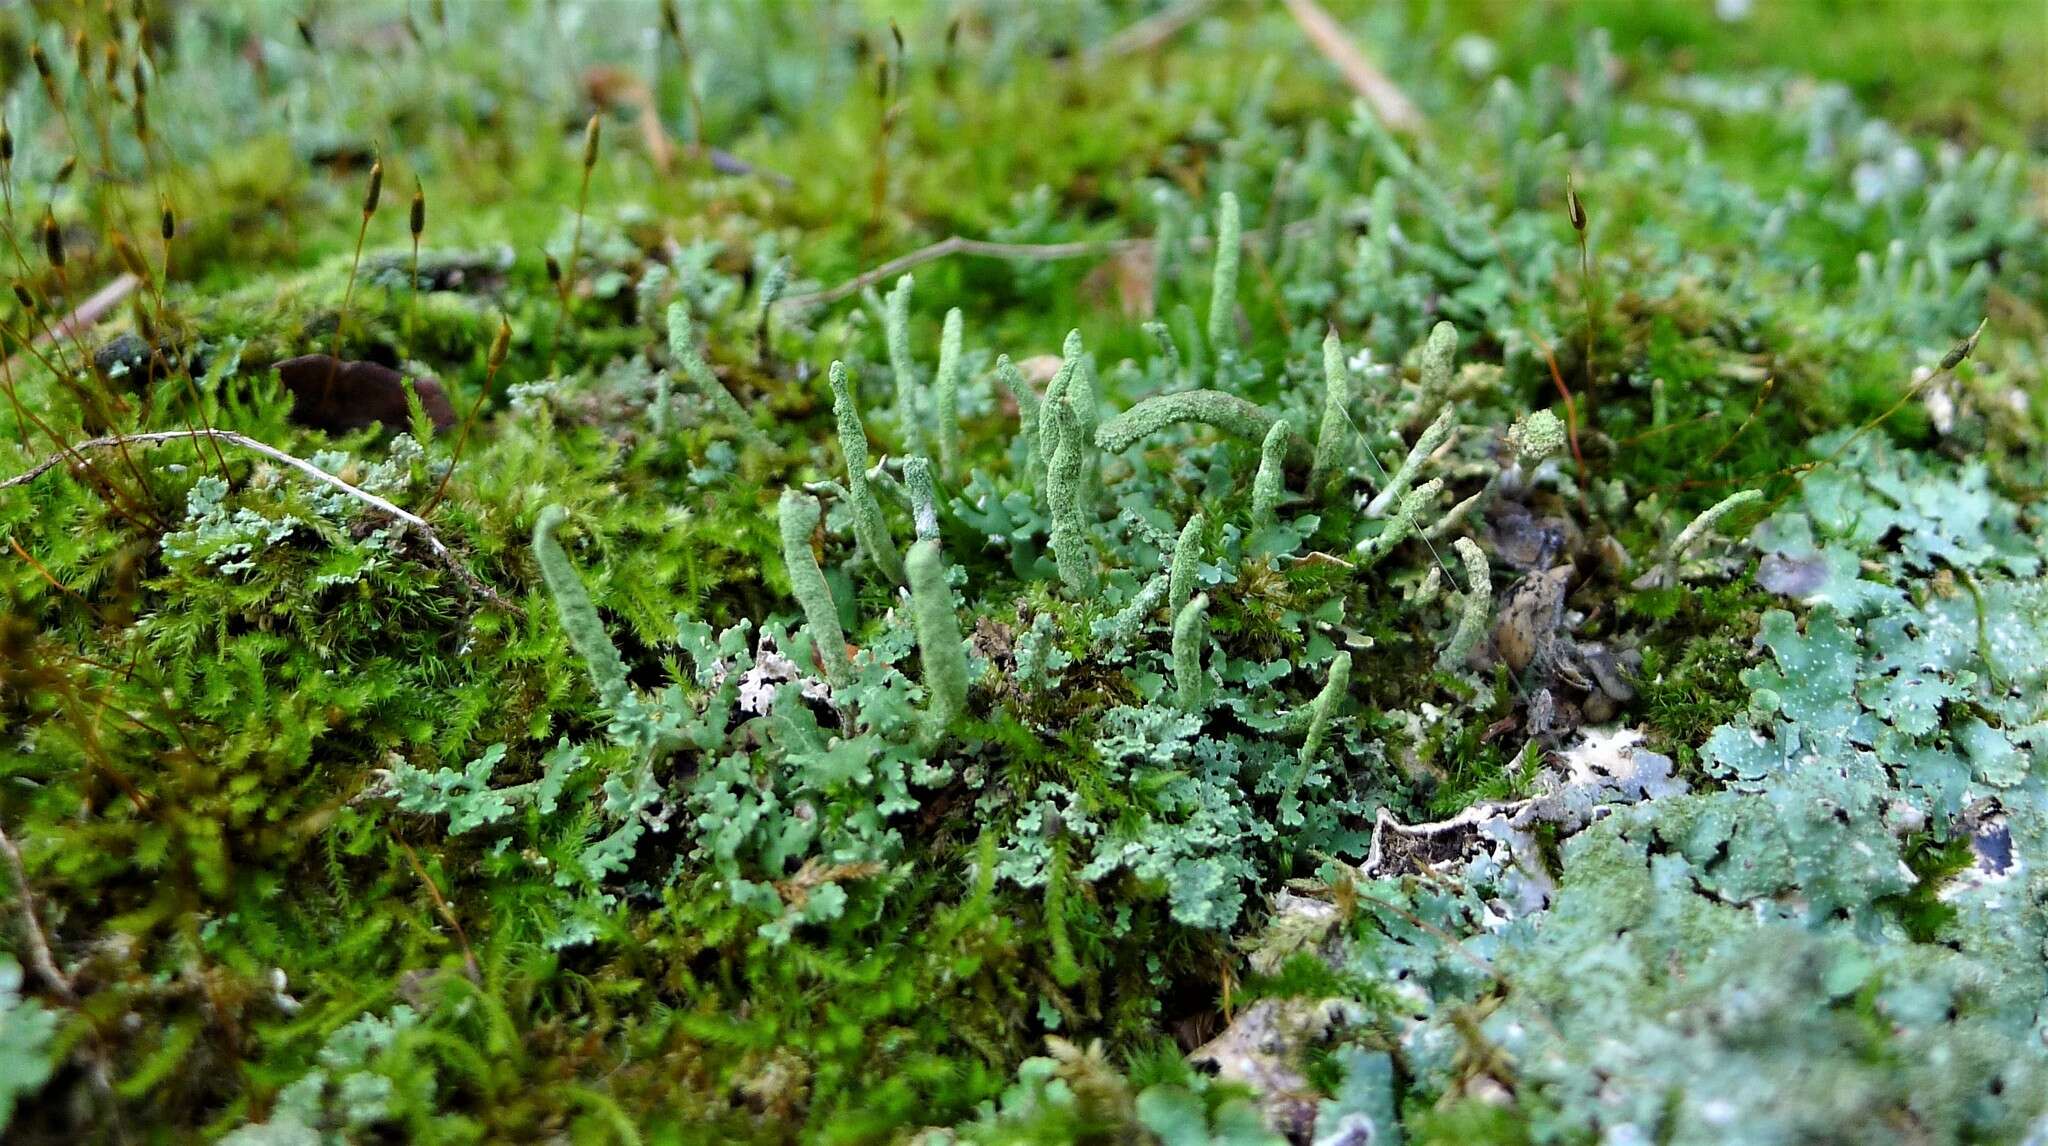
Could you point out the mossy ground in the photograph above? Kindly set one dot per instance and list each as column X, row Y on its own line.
column 199, row 738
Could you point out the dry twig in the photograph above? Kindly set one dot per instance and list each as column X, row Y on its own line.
column 1387, row 100
column 984, row 248
column 38, row 944
column 410, row 521
column 1148, row 33
column 84, row 316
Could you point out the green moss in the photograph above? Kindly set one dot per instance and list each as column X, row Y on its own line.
column 316, row 835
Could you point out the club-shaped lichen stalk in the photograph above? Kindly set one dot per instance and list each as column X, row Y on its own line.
column 1186, row 563
column 940, row 649
column 580, row 622
column 1333, row 440
column 1190, row 629
column 1072, row 547
column 869, row 529
column 1478, row 608
column 1223, row 278
column 797, row 515
column 946, row 394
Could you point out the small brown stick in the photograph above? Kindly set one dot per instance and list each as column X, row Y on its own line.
column 32, row 927
column 469, row 963
column 500, row 343
column 348, row 293
column 1571, row 406
column 425, row 531
column 416, row 222
column 85, row 315
column 566, row 278
column 1148, row 33
column 958, row 245
column 1575, row 211
column 1388, row 102
column 983, row 248
column 672, row 20
column 1763, row 392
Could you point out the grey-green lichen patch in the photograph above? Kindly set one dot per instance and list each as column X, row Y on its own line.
column 1773, row 959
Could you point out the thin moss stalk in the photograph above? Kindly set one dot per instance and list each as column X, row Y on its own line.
column 946, row 395
column 1478, row 608
column 1190, row 631
column 940, row 650
column 682, row 346
column 797, row 515
column 868, row 527
column 1223, row 277
column 579, row 618
column 1066, row 970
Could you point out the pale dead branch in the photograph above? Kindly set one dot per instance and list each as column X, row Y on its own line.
column 408, row 520
column 1387, row 101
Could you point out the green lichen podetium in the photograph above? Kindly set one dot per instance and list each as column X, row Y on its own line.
column 1187, row 557
column 1269, row 484
column 1333, row 440
column 940, row 650
column 1320, row 712
column 1080, row 390
column 1401, row 524
column 1698, row 526
column 580, row 622
column 1404, row 476
column 1029, row 412
column 1073, row 546
column 868, row 527
column 1223, row 278
column 1537, row 435
column 682, row 346
column 1478, row 606
column 924, row 497
column 946, row 396
column 1055, row 394
column 1439, row 357
column 902, row 365
column 797, row 515
column 1227, row 412
column 1190, row 633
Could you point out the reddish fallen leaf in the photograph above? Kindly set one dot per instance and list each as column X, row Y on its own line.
column 336, row 396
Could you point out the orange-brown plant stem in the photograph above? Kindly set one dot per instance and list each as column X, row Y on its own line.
column 348, row 293
column 500, row 343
